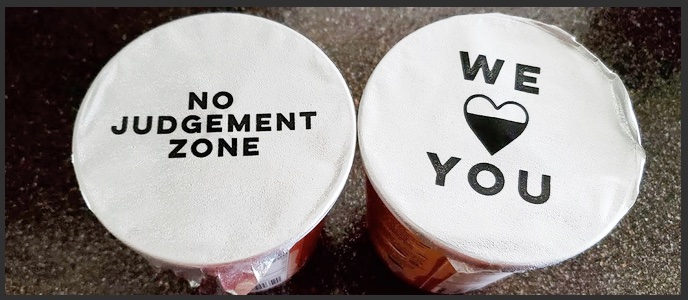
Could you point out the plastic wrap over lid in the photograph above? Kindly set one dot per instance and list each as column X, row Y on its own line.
column 501, row 139
column 249, row 143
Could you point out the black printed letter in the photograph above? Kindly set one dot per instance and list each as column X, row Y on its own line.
column 481, row 62
column 489, row 191
column 203, row 103
column 149, row 124
column 523, row 188
column 245, row 123
column 281, row 119
column 521, row 78
column 124, row 127
column 441, row 169
column 248, row 146
column 308, row 115
column 216, row 100
column 175, row 152
column 161, row 124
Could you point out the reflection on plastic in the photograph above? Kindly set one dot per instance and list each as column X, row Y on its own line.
column 252, row 275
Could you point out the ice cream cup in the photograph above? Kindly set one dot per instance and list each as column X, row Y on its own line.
column 214, row 145
column 493, row 145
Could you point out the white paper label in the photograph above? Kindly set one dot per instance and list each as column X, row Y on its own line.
column 277, row 274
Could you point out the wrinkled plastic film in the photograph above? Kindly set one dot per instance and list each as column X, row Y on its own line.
column 436, row 224
column 623, row 100
column 194, row 276
column 242, row 278
column 239, row 278
column 250, row 275
column 418, row 260
column 468, row 278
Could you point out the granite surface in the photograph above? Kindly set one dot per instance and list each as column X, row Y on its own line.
column 54, row 245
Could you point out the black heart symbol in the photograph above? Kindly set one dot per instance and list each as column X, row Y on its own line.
column 495, row 133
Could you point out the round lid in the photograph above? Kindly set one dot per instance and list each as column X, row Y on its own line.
column 214, row 138
column 502, row 139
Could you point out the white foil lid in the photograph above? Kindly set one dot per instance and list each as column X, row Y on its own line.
column 209, row 208
column 566, row 122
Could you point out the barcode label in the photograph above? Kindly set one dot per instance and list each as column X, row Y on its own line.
column 268, row 284
column 275, row 275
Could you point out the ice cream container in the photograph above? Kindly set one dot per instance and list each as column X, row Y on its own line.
column 214, row 145
column 493, row 145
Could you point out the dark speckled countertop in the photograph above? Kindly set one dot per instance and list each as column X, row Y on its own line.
column 54, row 245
